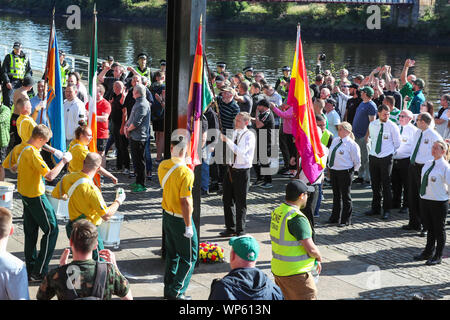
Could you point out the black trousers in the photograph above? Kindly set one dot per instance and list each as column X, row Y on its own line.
column 310, row 207
column 341, row 183
column 123, row 158
column 137, row 155
column 415, row 172
column 400, row 182
column 235, row 188
column 380, row 173
column 257, row 167
column 433, row 215
column 8, row 94
column 282, row 138
column 14, row 135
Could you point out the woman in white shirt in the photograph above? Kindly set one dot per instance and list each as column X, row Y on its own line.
column 435, row 179
column 344, row 158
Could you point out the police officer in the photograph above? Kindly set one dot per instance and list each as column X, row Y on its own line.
column 248, row 74
column 294, row 254
column 179, row 232
column 221, row 66
column 435, row 179
column 282, row 84
column 15, row 67
column 423, row 141
column 142, row 69
column 344, row 159
column 401, row 162
column 65, row 68
column 385, row 139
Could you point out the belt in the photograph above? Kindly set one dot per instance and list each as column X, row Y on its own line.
column 176, row 215
column 345, row 170
column 239, row 169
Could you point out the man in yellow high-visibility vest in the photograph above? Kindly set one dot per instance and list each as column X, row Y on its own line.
column 294, row 254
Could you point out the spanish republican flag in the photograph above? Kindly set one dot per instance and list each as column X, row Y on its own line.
column 307, row 139
column 200, row 97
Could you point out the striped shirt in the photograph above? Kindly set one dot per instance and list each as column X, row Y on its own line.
column 228, row 112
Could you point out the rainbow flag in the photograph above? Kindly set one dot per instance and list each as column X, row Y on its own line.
column 307, row 139
column 55, row 110
column 200, row 96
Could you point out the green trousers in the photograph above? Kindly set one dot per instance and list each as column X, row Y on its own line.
column 181, row 255
column 95, row 255
column 39, row 213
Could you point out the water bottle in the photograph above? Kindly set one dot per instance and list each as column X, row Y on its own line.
column 315, row 272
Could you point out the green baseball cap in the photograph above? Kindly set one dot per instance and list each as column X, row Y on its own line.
column 246, row 247
column 368, row 90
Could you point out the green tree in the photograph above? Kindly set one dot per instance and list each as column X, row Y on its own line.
column 276, row 9
column 226, row 9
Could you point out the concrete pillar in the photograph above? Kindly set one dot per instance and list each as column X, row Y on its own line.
column 409, row 15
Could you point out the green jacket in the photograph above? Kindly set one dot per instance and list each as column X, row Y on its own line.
column 5, row 116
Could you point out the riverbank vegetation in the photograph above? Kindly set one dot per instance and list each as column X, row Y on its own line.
column 317, row 18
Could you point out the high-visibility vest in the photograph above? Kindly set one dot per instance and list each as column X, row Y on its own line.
column 17, row 66
column 283, row 88
column 289, row 257
column 326, row 134
column 147, row 73
column 65, row 69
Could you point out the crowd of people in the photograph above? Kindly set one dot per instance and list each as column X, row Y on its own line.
column 377, row 126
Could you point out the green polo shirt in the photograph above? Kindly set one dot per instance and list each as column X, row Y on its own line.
column 407, row 90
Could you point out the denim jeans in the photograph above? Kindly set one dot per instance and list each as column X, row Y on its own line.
column 205, row 171
column 148, row 157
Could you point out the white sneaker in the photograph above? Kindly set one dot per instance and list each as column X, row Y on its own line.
column 126, row 171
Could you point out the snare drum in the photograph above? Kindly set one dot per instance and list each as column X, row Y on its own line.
column 61, row 207
column 110, row 231
column 6, row 194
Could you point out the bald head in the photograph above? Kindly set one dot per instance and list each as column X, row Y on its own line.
column 92, row 162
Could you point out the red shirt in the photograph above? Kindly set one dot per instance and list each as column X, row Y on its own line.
column 103, row 108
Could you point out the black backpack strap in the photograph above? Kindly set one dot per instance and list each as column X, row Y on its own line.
column 100, row 280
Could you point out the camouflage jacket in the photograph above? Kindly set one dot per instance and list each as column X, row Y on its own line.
column 80, row 276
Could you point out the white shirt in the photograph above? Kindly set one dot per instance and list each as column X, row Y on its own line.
column 429, row 137
column 82, row 93
column 390, row 138
column 347, row 156
column 245, row 148
column 13, row 278
column 333, row 120
column 438, row 180
column 406, row 143
column 74, row 111
column 342, row 103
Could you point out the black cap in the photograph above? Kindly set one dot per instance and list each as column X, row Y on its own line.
column 142, row 55
column 162, row 62
column 110, row 58
column 220, row 78
column 28, row 81
column 17, row 44
column 331, row 101
column 248, row 69
column 221, row 64
column 286, row 68
column 354, row 86
column 297, row 187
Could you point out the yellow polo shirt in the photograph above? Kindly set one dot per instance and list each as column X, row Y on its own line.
column 11, row 158
column 30, row 170
column 86, row 199
column 25, row 126
column 178, row 185
column 79, row 152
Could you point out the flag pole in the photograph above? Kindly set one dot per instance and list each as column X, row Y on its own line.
column 297, row 175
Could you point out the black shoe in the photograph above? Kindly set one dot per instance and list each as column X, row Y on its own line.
column 448, row 222
column 342, row 225
column 386, row 215
column 180, row 297
column 403, row 210
column 240, row 234
column 227, row 233
column 372, row 212
column 283, row 170
column 434, row 261
column 423, row 233
column 409, row 227
column 331, row 221
column 422, row 256
column 358, row 180
column 205, row 193
column 35, row 277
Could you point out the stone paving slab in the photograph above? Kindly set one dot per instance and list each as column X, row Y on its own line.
column 371, row 259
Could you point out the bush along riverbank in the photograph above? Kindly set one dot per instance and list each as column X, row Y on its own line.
column 327, row 22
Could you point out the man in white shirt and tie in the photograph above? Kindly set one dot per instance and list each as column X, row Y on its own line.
column 421, row 152
column 385, row 139
column 236, row 179
column 401, row 162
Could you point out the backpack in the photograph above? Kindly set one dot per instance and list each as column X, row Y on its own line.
column 99, row 284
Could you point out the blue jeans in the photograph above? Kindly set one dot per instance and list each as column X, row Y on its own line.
column 205, row 171
column 319, row 201
column 148, row 157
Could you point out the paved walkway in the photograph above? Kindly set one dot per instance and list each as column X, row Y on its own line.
column 371, row 259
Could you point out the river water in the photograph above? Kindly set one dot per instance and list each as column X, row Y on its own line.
column 125, row 40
